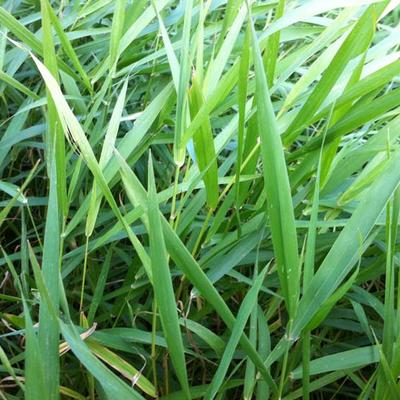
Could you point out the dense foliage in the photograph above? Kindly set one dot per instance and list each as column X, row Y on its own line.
column 199, row 199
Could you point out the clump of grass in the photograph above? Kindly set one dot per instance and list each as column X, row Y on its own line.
column 199, row 199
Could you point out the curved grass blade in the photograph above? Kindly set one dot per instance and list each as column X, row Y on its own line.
column 123, row 367
column 71, row 124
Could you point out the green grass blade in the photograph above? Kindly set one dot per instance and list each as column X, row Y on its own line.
column 271, row 52
column 67, row 46
column 17, row 85
column 99, row 290
column 163, row 288
column 172, row 59
column 344, row 360
column 116, row 31
column 105, row 156
column 217, row 65
column 280, row 209
column 48, row 325
column 245, row 310
column 204, row 145
column 55, row 136
column 184, row 77
column 242, row 97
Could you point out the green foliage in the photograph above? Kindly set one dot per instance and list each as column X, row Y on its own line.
column 156, row 155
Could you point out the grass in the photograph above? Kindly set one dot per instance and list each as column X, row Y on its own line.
column 199, row 199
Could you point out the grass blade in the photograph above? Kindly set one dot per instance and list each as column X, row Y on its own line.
column 204, row 145
column 280, row 209
column 163, row 288
column 184, row 77
column 247, row 306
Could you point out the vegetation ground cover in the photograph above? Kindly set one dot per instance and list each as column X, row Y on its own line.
column 199, row 199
